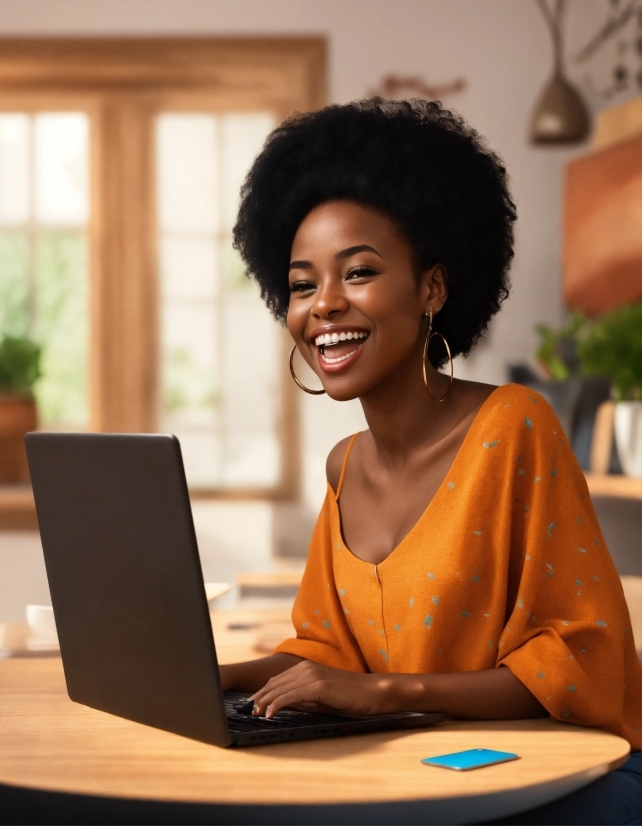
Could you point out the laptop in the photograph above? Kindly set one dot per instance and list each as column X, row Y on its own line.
column 128, row 595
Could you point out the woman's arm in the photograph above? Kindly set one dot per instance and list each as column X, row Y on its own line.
column 494, row 694
column 254, row 674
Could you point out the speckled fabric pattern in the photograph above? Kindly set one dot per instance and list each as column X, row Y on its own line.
column 506, row 566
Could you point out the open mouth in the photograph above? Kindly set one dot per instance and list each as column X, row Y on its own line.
column 338, row 350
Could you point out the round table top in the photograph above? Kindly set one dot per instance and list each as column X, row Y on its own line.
column 48, row 742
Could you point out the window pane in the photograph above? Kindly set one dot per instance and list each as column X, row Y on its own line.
column 190, row 391
column 62, row 168
column 62, row 328
column 189, row 268
column 201, row 457
column 14, row 284
column 251, row 391
column 187, row 172
column 14, row 169
column 220, row 368
column 243, row 136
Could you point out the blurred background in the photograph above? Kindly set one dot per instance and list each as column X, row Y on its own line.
column 126, row 129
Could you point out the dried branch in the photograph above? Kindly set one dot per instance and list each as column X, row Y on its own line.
column 548, row 16
column 611, row 26
column 395, row 87
column 554, row 20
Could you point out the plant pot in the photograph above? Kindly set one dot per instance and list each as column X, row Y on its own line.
column 17, row 417
column 562, row 396
column 628, row 436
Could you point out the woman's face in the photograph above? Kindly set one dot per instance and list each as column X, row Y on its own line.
column 356, row 309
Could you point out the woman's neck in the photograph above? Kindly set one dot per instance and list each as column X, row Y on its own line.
column 403, row 418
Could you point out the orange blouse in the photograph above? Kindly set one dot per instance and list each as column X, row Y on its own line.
column 506, row 566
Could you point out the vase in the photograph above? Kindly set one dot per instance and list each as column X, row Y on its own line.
column 628, row 436
column 17, row 417
column 563, row 396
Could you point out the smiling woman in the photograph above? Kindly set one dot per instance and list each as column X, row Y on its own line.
column 457, row 564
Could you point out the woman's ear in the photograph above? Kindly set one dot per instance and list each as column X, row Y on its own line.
column 434, row 288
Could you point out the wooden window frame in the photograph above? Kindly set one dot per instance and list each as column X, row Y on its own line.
column 122, row 84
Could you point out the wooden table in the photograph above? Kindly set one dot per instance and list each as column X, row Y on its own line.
column 49, row 743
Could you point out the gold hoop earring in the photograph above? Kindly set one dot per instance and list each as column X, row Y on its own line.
column 450, row 359
column 296, row 380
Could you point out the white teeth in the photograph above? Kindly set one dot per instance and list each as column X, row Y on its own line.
column 327, row 339
column 340, row 358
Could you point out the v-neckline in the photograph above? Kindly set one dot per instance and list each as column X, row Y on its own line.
column 429, row 506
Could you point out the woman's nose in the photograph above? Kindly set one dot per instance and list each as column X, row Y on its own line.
column 330, row 299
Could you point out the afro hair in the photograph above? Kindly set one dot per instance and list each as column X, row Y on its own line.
column 419, row 164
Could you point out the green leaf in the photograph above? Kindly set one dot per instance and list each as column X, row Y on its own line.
column 19, row 365
column 613, row 347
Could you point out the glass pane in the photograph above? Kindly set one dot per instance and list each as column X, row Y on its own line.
column 62, row 168
column 251, row 460
column 62, row 328
column 14, row 284
column 201, row 457
column 14, row 169
column 190, row 394
column 235, row 278
column 189, row 268
column 243, row 136
column 251, row 392
column 187, row 174
column 220, row 374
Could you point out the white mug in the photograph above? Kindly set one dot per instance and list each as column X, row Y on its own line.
column 40, row 619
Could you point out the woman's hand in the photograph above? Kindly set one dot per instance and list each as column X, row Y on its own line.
column 493, row 694
column 250, row 676
column 309, row 686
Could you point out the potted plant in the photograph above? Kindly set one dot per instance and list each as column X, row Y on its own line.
column 613, row 347
column 19, row 370
column 560, row 365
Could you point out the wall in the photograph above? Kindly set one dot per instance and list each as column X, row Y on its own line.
column 501, row 47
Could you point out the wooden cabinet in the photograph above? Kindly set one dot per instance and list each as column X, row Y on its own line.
column 603, row 229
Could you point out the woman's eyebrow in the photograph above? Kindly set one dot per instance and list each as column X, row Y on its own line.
column 340, row 256
column 354, row 250
column 301, row 265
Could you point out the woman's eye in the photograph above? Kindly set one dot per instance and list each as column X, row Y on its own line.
column 360, row 272
column 301, row 287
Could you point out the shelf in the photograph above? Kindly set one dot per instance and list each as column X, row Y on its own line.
column 623, row 487
column 18, row 513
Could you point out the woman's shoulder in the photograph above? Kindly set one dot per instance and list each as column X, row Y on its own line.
column 335, row 460
column 511, row 400
column 520, row 410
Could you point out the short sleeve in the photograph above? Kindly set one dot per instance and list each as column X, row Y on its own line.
column 568, row 635
column 323, row 634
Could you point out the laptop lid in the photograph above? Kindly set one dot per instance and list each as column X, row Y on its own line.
column 125, row 579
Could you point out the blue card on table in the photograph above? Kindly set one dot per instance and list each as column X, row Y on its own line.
column 471, row 759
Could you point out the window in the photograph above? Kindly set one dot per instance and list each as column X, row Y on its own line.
column 118, row 239
column 220, row 370
column 44, row 237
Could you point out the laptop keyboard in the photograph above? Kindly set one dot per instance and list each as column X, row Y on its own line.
column 283, row 719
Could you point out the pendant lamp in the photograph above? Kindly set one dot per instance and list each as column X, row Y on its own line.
column 560, row 115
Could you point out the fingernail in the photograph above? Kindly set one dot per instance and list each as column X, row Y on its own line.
column 255, row 710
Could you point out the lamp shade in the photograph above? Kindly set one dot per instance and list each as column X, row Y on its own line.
column 560, row 115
